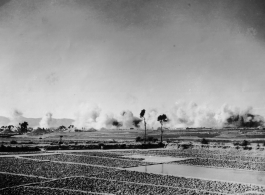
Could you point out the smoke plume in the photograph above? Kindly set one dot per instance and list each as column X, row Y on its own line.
column 181, row 115
column 244, row 118
column 91, row 116
column 116, row 124
column 107, row 121
column 193, row 115
column 46, row 121
column 16, row 117
column 129, row 121
column 86, row 116
column 151, row 119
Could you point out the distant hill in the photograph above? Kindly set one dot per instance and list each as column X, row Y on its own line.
column 34, row 122
column 4, row 121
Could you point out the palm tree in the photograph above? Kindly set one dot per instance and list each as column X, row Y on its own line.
column 142, row 116
column 162, row 119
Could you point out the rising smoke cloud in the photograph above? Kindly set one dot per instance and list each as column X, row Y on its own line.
column 16, row 117
column 244, row 118
column 151, row 119
column 129, row 120
column 181, row 115
column 193, row 115
column 46, row 121
column 91, row 116
column 87, row 116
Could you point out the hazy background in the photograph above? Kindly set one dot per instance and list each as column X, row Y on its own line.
column 57, row 55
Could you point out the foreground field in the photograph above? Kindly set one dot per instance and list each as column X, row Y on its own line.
column 103, row 172
column 235, row 159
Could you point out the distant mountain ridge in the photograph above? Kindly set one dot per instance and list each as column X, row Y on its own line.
column 34, row 122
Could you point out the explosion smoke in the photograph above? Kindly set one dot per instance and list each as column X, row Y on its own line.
column 129, row 121
column 151, row 119
column 181, row 115
column 244, row 119
column 91, row 116
column 46, row 121
column 107, row 120
column 87, row 115
column 192, row 115
column 16, row 117
column 116, row 123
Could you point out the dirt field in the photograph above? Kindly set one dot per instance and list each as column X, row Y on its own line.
column 105, row 172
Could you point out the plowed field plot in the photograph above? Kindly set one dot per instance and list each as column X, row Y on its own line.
column 92, row 160
column 202, row 153
column 6, row 161
column 48, row 169
column 105, row 173
column 105, row 154
column 9, row 180
column 181, row 182
column 29, row 190
column 224, row 164
column 118, row 187
column 15, row 153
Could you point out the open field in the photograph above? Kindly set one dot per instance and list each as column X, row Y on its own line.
column 92, row 160
column 130, row 135
column 125, row 139
column 98, row 171
column 104, row 172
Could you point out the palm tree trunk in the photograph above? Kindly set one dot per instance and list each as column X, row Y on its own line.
column 161, row 132
column 144, row 131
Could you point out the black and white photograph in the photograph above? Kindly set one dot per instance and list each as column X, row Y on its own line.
column 132, row 97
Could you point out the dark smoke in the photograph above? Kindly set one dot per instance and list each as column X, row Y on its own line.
column 245, row 120
column 136, row 122
column 128, row 120
column 116, row 123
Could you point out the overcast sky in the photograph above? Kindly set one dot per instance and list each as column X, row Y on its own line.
column 130, row 54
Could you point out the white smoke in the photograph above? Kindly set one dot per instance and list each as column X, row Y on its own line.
column 87, row 116
column 46, row 121
column 181, row 115
column 129, row 120
column 107, row 121
column 91, row 116
column 192, row 115
column 16, row 117
column 151, row 119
